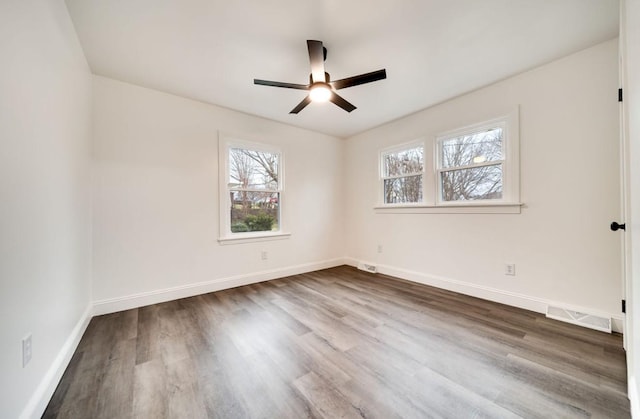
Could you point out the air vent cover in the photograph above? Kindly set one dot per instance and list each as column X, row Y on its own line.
column 368, row 268
column 591, row 321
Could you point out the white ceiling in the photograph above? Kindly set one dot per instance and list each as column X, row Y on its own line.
column 433, row 50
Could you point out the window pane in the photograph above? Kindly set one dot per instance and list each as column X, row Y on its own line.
column 403, row 190
column 254, row 211
column 471, row 149
column 484, row 182
column 250, row 169
column 404, row 162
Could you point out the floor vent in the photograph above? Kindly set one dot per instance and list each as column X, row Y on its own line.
column 591, row 321
column 368, row 268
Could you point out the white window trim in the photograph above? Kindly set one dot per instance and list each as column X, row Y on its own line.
column 226, row 142
column 395, row 149
column 493, row 208
column 433, row 204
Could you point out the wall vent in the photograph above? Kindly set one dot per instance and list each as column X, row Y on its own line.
column 368, row 268
column 591, row 321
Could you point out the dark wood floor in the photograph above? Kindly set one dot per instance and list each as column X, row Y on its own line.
column 340, row 343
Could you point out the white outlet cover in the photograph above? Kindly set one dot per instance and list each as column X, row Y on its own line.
column 510, row 269
column 27, row 350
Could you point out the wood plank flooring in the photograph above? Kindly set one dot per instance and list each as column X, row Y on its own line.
column 340, row 343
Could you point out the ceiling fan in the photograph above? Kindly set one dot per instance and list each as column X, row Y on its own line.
column 320, row 86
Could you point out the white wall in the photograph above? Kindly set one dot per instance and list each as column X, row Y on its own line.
column 156, row 198
column 560, row 243
column 45, row 243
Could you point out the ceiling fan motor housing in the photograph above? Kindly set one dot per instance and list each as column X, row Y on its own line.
column 326, row 78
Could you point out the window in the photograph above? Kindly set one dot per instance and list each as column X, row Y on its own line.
column 402, row 174
column 251, row 190
column 470, row 165
column 470, row 169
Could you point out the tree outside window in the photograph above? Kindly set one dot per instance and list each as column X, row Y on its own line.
column 471, row 166
column 254, row 190
column 402, row 173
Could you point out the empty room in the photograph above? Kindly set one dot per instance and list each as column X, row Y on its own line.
column 250, row 209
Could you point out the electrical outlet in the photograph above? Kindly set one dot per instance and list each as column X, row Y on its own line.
column 379, row 248
column 27, row 350
column 264, row 255
column 510, row 269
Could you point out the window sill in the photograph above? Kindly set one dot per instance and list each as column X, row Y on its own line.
column 494, row 208
column 252, row 238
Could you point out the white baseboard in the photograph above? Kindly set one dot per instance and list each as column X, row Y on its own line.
column 633, row 396
column 41, row 397
column 526, row 302
column 113, row 305
column 617, row 323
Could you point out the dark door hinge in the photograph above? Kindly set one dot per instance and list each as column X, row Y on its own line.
column 624, row 306
column 619, row 95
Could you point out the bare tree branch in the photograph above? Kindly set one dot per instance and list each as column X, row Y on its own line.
column 472, row 175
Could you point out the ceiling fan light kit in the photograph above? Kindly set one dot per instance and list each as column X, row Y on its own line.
column 320, row 87
column 320, row 92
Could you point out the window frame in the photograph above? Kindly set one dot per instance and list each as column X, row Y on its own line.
column 226, row 143
column 381, row 171
column 432, row 196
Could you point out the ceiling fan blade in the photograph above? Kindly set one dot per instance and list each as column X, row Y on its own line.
column 281, row 84
column 340, row 101
column 316, row 58
column 361, row 79
column 301, row 105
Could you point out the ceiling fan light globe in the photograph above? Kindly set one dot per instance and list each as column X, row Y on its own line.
column 320, row 93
